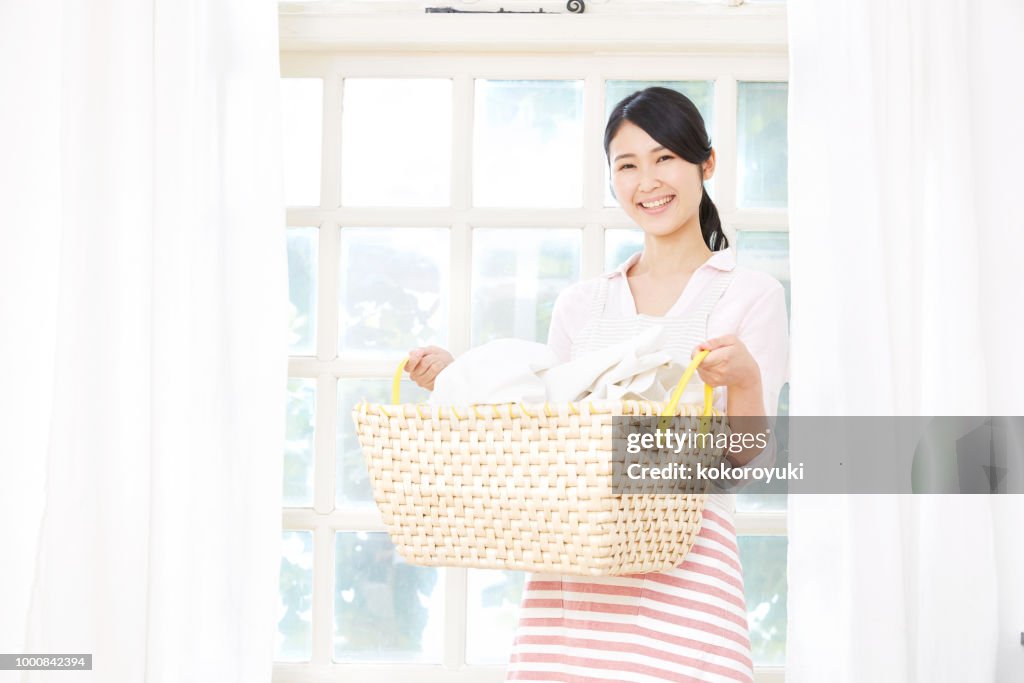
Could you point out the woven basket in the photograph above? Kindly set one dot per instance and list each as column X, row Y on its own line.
column 527, row 487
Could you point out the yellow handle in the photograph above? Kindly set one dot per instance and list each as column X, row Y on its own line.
column 673, row 403
column 670, row 408
column 397, row 381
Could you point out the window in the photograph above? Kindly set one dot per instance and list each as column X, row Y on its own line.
column 444, row 192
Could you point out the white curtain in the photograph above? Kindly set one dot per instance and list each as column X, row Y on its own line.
column 907, row 234
column 144, row 353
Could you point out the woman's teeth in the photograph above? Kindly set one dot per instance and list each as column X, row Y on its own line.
column 656, row 204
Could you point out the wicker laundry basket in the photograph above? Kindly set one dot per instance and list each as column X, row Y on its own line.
column 526, row 487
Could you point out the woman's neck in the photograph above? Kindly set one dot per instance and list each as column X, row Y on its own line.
column 681, row 251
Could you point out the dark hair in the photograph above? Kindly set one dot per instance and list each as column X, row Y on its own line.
column 673, row 120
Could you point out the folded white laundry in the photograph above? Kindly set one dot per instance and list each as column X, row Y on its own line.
column 512, row 370
column 633, row 369
column 501, row 371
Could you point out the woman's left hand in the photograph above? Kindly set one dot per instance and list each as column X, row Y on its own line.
column 729, row 364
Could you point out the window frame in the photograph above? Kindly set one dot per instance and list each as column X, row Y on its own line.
column 722, row 44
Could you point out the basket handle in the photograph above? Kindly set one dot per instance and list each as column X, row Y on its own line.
column 396, row 382
column 673, row 403
column 668, row 411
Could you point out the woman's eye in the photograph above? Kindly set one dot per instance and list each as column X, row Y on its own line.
column 663, row 157
column 625, row 166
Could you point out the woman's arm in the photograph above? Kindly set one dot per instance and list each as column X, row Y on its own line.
column 765, row 331
column 753, row 366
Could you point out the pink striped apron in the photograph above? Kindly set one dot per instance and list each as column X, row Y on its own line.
column 686, row 624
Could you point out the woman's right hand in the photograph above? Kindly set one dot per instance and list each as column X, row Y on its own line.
column 425, row 363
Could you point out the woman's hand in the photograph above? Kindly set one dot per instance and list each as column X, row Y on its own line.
column 729, row 364
column 425, row 363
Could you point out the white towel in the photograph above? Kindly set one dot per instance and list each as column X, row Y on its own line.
column 501, row 371
column 512, row 370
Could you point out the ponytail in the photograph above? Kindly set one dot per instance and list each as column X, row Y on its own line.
column 711, row 224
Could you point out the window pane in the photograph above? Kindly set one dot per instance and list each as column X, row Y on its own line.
column 394, row 289
column 701, row 93
column 384, row 609
column 352, row 483
column 298, row 449
column 396, row 142
column 764, row 577
column 528, row 143
column 762, row 145
column 517, row 274
column 619, row 245
column 492, row 611
column 294, row 627
column 302, row 283
column 301, row 115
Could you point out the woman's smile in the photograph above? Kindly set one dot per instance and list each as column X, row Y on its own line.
column 656, row 205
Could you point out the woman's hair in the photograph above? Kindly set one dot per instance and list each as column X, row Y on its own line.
column 673, row 120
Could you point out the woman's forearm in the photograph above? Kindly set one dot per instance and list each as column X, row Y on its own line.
column 745, row 408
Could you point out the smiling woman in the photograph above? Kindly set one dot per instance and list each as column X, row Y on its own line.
column 686, row 281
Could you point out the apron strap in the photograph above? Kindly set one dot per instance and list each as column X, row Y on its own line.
column 600, row 300
column 597, row 305
column 713, row 294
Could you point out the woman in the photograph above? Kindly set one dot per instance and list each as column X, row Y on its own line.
column 689, row 623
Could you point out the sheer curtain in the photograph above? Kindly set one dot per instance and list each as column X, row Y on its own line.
column 144, row 353
column 906, row 241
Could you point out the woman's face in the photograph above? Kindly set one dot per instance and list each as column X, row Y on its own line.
column 658, row 189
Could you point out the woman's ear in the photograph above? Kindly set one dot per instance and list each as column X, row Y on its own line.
column 708, row 167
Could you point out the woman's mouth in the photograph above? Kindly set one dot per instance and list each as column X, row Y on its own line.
column 656, row 205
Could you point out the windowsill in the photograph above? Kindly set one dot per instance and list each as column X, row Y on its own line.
column 703, row 29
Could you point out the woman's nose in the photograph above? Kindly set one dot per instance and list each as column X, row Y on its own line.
column 649, row 180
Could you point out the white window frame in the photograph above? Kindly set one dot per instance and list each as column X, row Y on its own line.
column 722, row 44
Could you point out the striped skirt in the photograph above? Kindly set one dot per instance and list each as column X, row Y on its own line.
column 687, row 624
